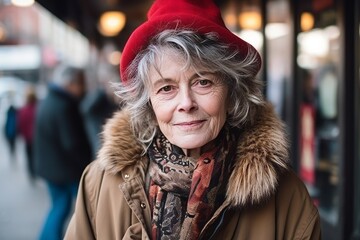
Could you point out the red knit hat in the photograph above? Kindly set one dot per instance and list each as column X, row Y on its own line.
column 202, row 16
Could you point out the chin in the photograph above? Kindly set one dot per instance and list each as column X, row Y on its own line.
column 190, row 144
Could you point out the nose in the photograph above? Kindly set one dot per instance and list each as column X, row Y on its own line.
column 187, row 102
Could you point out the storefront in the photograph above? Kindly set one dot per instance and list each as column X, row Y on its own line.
column 325, row 80
column 311, row 72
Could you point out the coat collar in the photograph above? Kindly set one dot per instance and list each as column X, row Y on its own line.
column 261, row 155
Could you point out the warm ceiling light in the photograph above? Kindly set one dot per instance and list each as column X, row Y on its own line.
column 230, row 20
column 23, row 3
column 114, row 58
column 306, row 21
column 250, row 20
column 111, row 23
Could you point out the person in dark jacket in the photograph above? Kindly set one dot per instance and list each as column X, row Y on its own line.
column 61, row 148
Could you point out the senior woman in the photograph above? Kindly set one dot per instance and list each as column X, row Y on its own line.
column 196, row 153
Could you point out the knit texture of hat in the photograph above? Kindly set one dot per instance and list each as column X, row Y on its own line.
column 201, row 16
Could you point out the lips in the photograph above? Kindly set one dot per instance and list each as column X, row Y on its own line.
column 190, row 123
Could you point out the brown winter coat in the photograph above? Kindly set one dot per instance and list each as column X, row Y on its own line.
column 265, row 199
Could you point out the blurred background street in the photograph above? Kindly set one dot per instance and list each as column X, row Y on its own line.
column 311, row 61
column 23, row 203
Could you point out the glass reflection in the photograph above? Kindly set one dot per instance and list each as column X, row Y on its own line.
column 317, row 60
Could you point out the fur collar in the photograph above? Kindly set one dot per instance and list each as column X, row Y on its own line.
column 261, row 155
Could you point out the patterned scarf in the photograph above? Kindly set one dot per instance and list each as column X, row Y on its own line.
column 184, row 192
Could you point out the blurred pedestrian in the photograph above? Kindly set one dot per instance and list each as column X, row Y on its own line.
column 97, row 107
column 196, row 152
column 61, row 147
column 25, row 125
column 10, row 128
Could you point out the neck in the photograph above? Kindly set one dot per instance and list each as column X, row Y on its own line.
column 195, row 153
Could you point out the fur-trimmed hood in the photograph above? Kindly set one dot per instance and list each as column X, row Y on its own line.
column 261, row 155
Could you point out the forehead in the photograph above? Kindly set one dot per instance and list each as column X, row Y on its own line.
column 169, row 62
column 167, row 55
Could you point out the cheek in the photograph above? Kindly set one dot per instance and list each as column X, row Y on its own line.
column 217, row 108
column 219, row 116
column 162, row 111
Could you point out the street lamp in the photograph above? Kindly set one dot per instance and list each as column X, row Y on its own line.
column 111, row 23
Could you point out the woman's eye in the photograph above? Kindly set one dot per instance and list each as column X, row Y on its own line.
column 165, row 89
column 204, row 82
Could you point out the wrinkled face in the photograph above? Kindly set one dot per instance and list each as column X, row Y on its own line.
column 190, row 108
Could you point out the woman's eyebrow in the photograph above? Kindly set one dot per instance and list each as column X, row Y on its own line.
column 161, row 81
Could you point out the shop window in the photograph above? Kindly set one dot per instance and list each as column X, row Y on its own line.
column 318, row 62
column 278, row 37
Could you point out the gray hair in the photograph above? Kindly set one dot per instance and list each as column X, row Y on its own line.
column 203, row 51
column 65, row 74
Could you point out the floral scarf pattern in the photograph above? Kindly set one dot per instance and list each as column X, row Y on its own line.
column 185, row 192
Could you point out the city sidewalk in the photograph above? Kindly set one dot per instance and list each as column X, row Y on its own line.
column 23, row 204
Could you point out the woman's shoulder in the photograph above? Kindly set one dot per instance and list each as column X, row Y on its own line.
column 293, row 195
column 122, row 173
column 290, row 182
column 97, row 182
column 95, row 172
column 295, row 205
column 95, row 179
